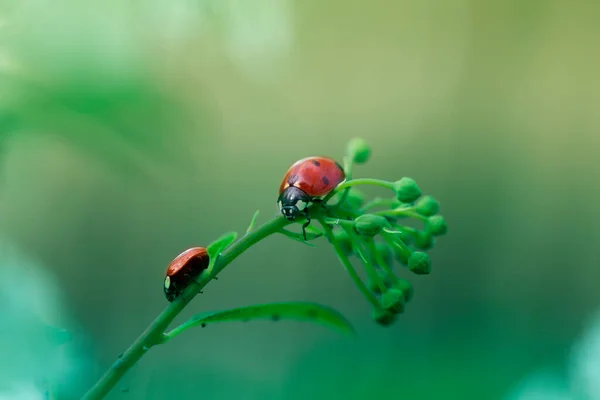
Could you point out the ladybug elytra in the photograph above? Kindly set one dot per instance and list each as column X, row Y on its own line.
column 185, row 268
column 306, row 182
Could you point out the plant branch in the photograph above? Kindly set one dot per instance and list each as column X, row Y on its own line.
column 348, row 265
column 364, row 181
column 154, row 333
column 402, row 212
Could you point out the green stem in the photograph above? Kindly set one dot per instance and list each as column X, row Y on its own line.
column 402, row 212
column 338, row 221
column 378, row 202
column 403, row 231
column 153, row 333
column 365, row 181
column 393, row 241
column 369, row 269
column 382, row 263
column 348, row 265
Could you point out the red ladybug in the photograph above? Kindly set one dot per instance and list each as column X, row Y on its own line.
column 306, row 182
column 183, row 270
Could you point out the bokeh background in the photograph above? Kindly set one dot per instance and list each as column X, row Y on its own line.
column 130, row 131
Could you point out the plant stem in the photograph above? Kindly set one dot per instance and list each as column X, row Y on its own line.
column 402, row 212
column 348, row 265
column 368, row 266
column 383, row 263
column 338, row 221
column 393, row 241
column 365, row 181
column 378, row 202
column 153, row 333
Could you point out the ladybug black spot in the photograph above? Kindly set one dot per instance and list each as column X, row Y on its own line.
column 315, row 162
column 325, row 180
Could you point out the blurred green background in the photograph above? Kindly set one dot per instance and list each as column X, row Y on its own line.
column 130, row 131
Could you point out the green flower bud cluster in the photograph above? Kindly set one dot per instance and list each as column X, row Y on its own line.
column 381, row 232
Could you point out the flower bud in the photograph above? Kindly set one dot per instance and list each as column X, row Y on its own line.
column 359, row 150
column 382, row 317
column 370, row 224
column 424, row 240
column 419, row 263
column 384, row 252
column 407, row 190
column 406, row 288
column 393, row 300
column 437, row 225
column 341, row 236
column 427, row 206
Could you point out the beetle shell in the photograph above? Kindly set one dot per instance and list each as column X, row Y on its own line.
column 185, row 268
column 315, row 176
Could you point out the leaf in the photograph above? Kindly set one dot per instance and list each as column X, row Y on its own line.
column 215, row 248
column 312, row 229
column 298, row 311
column 253, row 222
column 299, row 238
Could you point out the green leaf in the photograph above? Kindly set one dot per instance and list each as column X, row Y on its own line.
column 300, row 238
column 298, row 311
column 312, row 229
column 253, row 222
column 216, row 247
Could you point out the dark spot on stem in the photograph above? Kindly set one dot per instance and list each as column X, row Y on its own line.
column 275, row 317
column 325, row 180
column 203, row 325
column 315, row 162
column 311, row 313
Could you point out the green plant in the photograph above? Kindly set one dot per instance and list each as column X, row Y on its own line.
column 370, row 231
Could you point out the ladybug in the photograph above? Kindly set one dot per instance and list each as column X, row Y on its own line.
column 306, row 182
column 185, row 268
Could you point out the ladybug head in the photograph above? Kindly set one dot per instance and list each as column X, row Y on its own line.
column 170, row 290
column 293, row 201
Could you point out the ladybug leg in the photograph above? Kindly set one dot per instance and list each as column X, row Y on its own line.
column 305, row 225
column 320, row 202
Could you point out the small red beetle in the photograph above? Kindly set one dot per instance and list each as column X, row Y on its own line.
column 307, row 181
column 183, row 270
